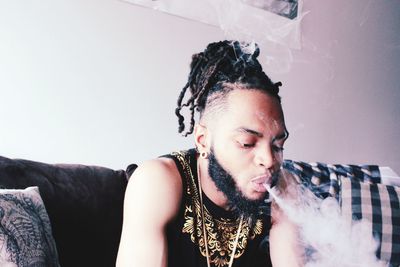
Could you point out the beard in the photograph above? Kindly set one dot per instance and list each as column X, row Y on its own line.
column 237, row 201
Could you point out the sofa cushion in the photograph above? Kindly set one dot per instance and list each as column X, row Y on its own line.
column 379, row 205
column 25, row 231
column 323, row 179
column 84, row 204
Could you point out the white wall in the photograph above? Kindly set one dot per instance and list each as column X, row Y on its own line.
column 342, row 95
column 96, row 82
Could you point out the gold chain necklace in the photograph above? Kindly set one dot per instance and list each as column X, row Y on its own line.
column 204, row 226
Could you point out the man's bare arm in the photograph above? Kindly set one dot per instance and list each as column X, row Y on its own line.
column 285, row 247
column 152, row 199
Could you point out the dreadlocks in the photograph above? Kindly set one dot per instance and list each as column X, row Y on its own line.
column 221, row 64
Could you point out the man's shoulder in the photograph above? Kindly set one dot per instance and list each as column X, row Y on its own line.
column 164, row 168
column 155, row 191
column 158, row 167
column 167, row 163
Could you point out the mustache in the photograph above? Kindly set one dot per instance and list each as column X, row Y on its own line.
column 267, row 175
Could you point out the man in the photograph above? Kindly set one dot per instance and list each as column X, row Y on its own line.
column 206, row 206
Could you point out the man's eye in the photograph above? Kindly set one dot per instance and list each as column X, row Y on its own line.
column 248, row 145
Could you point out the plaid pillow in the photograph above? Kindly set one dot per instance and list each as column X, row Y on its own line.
column 322, row 178
column 380, row 205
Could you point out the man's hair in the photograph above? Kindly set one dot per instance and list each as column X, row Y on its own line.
column 215, row 70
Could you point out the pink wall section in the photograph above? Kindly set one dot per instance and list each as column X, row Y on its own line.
column 342, row 95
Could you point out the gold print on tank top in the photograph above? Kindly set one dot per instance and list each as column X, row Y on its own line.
column 221, row 233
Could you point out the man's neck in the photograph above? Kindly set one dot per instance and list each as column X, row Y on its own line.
column 208, row 186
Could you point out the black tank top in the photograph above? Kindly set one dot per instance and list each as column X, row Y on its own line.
column 185, row 233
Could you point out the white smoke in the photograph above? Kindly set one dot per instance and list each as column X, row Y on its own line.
column 329, row 239
column 249, row 48
column 247, row 21
column 275, row 35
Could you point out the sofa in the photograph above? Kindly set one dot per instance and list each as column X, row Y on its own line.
column 84, row 204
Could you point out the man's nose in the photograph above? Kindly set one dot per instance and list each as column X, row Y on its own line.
column 265, row 157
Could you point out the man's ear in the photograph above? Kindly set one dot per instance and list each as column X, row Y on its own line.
column 201, row 138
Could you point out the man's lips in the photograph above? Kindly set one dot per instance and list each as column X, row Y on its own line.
column 259, row 181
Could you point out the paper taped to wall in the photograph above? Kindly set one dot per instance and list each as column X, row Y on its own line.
column 273, row 24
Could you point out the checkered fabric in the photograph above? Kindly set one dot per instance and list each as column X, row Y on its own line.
column 322, row 178
column 379, row 205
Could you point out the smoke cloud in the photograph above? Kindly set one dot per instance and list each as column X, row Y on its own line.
column 328, row 238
